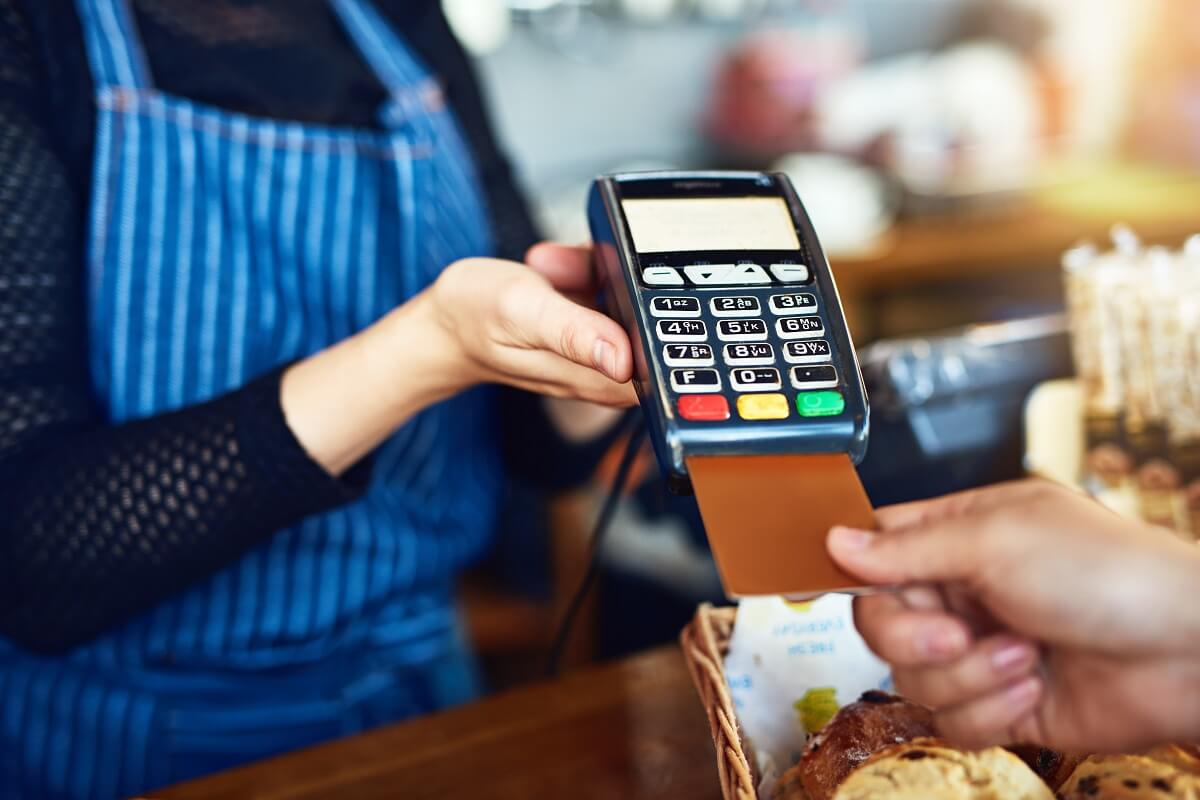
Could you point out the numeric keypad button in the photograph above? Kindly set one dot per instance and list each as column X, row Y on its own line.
column 799, row 328
column 753, row 354
column 688, row 355
column 735, row 306
column 682, row 330
column 762, row 379
column 814, row 351
column 798, row 303
column 807, row 378
column 670, row 307
column 693, row 381
column 742, row 330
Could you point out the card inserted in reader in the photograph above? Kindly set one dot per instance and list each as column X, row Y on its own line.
column 743, row 363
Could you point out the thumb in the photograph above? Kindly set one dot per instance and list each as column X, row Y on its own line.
column 940, row 544
column 582, row 335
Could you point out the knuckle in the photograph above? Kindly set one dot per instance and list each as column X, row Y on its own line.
column 570, row 340
column 511, row 303
column 518, row 314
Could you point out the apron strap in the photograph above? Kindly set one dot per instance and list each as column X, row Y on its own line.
column 386, row 53
column 114, row 49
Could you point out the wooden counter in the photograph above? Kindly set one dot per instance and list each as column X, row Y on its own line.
column 1025, row 237
column 632, row 730
column 1022, row 237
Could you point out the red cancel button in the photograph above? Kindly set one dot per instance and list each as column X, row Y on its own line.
column 704, row 408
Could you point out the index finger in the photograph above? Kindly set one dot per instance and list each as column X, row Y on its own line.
column 567, row 267
column 936, row 509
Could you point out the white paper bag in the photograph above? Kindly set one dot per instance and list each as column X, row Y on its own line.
column 790, row 667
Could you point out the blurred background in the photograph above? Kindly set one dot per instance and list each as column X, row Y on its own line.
column 949, row 152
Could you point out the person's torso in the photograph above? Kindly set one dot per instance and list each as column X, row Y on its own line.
column 222, row 245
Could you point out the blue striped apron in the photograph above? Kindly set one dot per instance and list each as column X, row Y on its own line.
column 222, row 246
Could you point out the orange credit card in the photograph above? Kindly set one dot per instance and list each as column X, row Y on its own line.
column 767, row 517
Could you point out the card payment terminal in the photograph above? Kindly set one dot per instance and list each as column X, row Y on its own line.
column 743, row 363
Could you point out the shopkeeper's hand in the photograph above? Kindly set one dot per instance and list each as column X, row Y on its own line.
column 1030, row 613
column 532, row 326
column 483, row 321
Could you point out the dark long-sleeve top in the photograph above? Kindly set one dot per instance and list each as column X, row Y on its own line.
column 99, row 522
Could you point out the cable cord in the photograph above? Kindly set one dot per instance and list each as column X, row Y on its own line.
column 636, row 436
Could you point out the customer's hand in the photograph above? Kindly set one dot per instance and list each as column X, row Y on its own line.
column 1030, row 613
column 531, row 326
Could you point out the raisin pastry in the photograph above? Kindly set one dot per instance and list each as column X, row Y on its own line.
column 1129, row 778
column 876, row 720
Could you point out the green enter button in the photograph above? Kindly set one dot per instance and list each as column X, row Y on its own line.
column 820, row 404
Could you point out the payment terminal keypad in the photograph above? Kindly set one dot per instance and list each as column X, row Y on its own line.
column 738, row 341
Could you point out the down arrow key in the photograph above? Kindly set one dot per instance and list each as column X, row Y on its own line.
column 708, row 274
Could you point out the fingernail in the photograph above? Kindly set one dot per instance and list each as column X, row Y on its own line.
column 604, row 357
column 943, row 641
column 1013, row 657
column 850, row 538
column 1024, row 693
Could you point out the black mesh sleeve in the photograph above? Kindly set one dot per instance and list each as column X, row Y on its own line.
column 99, row 522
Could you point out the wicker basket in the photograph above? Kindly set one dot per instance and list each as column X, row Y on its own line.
column 705, row 642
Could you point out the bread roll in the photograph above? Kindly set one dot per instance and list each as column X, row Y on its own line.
column 876, row 720
column 927, row 769
column 1129, row 778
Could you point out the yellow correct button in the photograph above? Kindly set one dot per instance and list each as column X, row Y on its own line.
column 763, row 406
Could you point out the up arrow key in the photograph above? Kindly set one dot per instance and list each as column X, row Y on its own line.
column 748, row 273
